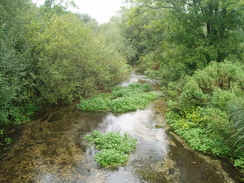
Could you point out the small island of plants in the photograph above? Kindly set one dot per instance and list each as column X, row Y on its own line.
column 121, row 99
column 114, row 147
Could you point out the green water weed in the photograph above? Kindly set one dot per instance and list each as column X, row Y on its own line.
column 121, row 99
column 114, row 147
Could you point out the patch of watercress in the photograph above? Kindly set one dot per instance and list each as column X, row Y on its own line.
column 114, row 147
column 121, row 99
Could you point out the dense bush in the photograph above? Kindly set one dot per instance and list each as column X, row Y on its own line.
column 114, row 147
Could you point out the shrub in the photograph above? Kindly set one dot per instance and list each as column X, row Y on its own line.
column 221, row 97
column 215, row 85
column 192, row 94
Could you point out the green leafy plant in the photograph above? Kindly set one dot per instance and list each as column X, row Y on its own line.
column 114, row 147
column 8, row 141
column 191, row 125
column 121, row 99
column 98, row 103
column 236, row 112
column 133, row 88
column 239, row 162
column 206, row 109
column 132, row 103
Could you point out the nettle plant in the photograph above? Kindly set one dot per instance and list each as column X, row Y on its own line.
column 114, row 147
column 121, row 99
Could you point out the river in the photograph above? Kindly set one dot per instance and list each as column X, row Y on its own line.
column 52, row 149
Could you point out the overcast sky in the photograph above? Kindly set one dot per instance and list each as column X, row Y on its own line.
column 101, row 10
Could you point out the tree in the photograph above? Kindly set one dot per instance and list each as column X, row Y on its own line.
column 72, row 61
column 194, row 32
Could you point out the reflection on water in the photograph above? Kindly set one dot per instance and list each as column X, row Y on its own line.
column 52, row 149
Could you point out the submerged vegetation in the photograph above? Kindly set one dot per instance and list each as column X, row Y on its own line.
column 121, row 99
column 114, row 147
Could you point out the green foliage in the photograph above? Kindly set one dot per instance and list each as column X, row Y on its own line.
column 239, row 162
column 107, row 157
column 121, row 99
column 49, row 55
column 15, row 78
column 236, row 112
column 73, row 61
column 8, row 141
column 213, row 86
column 114, row 147
column 179, row 37
column 98, row 103
column 115, row 40
column 206, row 109
column 191, row 127
column 132, row 103
column 132, row 89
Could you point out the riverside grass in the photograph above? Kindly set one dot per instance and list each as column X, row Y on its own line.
column 121, row 99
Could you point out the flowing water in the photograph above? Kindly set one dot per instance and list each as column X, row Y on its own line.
column 52, row 149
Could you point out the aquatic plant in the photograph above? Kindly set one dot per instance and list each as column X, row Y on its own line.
column 122, row 99
column 114, row 147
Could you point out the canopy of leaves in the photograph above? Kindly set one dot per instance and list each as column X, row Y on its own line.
column 183, row 36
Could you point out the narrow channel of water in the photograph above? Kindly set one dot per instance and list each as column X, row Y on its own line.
column 52, row 149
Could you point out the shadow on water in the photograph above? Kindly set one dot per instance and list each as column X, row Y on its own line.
column 52, row 149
